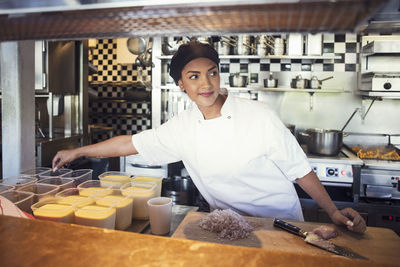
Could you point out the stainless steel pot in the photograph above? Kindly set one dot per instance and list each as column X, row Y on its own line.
column 270, row 83
column 238, row 80
column 300, row 83
column 317, row 84
column 323, row 142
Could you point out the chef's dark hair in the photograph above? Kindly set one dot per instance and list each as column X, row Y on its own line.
column 186, row 53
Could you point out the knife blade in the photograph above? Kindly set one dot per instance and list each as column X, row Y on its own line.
column 316, row 241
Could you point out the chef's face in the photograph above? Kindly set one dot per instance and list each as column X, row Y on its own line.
column 200, row 80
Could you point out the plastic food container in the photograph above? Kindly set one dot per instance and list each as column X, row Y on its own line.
column 52, row 210
column 154, row 179
column 19, row 181
column 93, row 188
column 141, row 192
column 36, row 172
column 71, row 196
column 40, row 191
column 63, row 183
column 123, row 206
column 23, row 200
column 6, row 187
column 79, row 176
column 97, row 216
column 58, row 173
column 114, row 179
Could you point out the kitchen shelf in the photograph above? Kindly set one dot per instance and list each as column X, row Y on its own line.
column 379, row 95
column 123, row 83
column 381, row 47
column 118, row 100
column 257, row 88
column 122, row 115
column 269, row 57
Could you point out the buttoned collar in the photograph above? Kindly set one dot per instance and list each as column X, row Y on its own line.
column 226, row 109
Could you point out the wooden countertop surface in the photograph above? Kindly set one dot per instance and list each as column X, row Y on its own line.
column 27, row 242
column 379, row 245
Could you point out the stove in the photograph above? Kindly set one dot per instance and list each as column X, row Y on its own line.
column 381, row 82
column 337, row 170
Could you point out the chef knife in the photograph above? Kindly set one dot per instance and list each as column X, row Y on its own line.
column 316, row 241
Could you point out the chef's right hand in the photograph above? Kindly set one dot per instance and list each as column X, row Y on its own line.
column 64, row 157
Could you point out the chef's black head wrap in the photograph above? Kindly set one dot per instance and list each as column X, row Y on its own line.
column 186, row 53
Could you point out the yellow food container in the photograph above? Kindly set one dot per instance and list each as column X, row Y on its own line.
column 54, row 212
column 97, row 216
column 93, row 188
column 140, row 192
column 123, row 206
column 77, row 201
column 157, row 180
column 114, row 179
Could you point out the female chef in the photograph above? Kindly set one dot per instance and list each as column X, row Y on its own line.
column 238, row 153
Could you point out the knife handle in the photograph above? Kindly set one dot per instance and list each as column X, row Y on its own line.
column 289, row 227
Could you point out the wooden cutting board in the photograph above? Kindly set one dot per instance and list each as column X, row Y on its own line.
column 377, row 244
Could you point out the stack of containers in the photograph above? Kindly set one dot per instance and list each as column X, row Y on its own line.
column 141, row 192
column 23, row 200
column 114, row 179
column 38, row 184
column 90, row 204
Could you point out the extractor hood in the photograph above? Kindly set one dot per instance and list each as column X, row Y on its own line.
column 385, row 21
column 81, row 19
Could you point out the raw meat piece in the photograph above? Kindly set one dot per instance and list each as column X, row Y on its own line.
column 227, row 223
column 325, row 232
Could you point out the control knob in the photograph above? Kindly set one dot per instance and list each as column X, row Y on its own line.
column 387, row 85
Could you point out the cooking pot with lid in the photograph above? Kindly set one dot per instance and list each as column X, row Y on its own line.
column 323, row 142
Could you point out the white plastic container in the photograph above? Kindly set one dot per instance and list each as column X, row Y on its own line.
column 79, row 176
column 93, row 188
column 123, row 206
column 36, row 172
column 152, row 179
column 59, row 173
column 97, row 216
column 52, row 210
column 63, row 183
column 6, row 187
column 40, row 191
column 23, row 200
column 114, row 179
column 71, row 196
column 141, row 193
column 18, row 181
column 314, row 44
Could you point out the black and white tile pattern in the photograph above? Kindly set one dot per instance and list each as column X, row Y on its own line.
column 127, row 117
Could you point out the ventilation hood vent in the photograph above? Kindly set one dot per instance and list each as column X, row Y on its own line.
column 386, row 20
column 75, row 19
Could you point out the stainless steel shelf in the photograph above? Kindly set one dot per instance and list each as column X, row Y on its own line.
column 380, row 95
column 254, row 88
column 268, row 57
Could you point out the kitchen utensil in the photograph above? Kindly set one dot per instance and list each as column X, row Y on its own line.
column 300, row 83
column 237, row 80
column 271, row 82
column 313, row 239
column 244, row 45
column 317, row 84
column 323, row 142
column 160, row 213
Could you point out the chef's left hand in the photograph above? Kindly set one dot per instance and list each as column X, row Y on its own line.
column 351, row 218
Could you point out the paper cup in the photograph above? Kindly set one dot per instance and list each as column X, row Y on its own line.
column 160, row 213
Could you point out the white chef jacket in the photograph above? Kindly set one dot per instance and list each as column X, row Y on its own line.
column 244, row 160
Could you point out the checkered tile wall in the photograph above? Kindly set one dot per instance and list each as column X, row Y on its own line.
column 125, row 117
column 347, row 46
